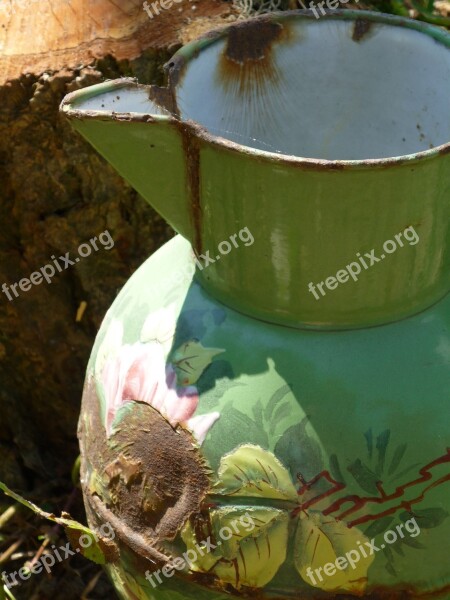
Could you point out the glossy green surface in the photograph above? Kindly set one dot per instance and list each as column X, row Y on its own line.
column 310, row 218
column 308, row 224
column 365, row 408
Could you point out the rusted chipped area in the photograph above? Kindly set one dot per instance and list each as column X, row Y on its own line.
column 360, row 29
column 192, row 157
column 301, row 163
column 107, row 546
column 165, row 98
column 252, row 40
column 172, row 479
column 125, row 469
column 403, row 592
column 247, row 64
column 444, row 150
column 174, row 70
column 153, row 475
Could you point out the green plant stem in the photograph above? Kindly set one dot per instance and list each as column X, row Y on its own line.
column 398, row 8
column 8, row 514
column 428, row 16
column 7, row 593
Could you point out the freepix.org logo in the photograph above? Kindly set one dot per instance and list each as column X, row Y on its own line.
column 354, row 269
column 181, row 563
column 50, row 559
column 48, row 271
column 364, row 550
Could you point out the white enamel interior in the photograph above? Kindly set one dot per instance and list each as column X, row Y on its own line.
column 333, row 98
column 121, row 100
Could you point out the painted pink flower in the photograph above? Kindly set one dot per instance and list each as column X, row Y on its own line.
column 139, row 372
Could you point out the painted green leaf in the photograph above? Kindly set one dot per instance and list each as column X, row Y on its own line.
column 412, row 543
column 391, row 569
column 217, row 379
column 369, row 441
column 194, row 537
column 378, row 526
column 335, row 469
column 243, row 547
column 275, row 401
column 319, row 542
column 397, row 458
column 365, row 478
column 398, row 549
column 389, row 554
column 252, row 471
column 191, row 359
column 427, row 518
column 257, row 410
column 252, row 556
column 382, row 446
column 125, row 584
column 282, row 411
column 413, row 467
column 74, row 530
column 228, row 437
column 299, row 451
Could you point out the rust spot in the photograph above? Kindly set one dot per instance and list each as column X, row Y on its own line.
column 360, row 29
column 444, row 150
column 165, row 98
column 316, row 165
column 174, row 70
column 107, row 546
column 252, row 40
column 172, row 479
column 247, row 62
column 123, row 467
column 152, row 476
column 192, row 157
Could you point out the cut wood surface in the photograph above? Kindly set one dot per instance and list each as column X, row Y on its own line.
column 36, row 35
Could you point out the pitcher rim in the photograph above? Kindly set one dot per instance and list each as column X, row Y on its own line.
column 176, row 65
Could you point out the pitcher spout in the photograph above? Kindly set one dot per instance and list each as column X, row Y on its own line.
column 136, row 129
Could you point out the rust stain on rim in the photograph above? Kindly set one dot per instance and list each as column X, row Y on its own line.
column 165, row 98
column 252, row 40
column 192, row 159
column 247, row 61
column 177, row 66
column 360, row 29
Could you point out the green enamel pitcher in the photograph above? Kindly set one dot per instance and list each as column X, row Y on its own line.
column 265, row 412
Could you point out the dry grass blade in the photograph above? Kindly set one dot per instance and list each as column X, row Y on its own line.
column 91, row 586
